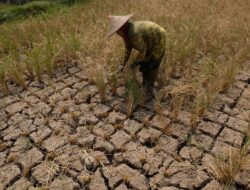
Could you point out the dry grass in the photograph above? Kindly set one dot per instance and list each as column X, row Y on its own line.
column 97, row 74
column 207, row 41
column 2, row 146
column 146, row 121
column 85, row 179
column 180, row 94
column 73, row 139
column 12, row 157
column 74, row 116
column 158, row 98
column 228, row 165
column 143, row 159
column 26, row 170
column 63, row 109
column 134, row 93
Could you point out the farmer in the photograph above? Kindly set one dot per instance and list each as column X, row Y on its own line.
column 148, row 38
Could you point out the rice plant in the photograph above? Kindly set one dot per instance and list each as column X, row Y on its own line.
column 35, row 59
column 49, row 56
column 71, row 44
column 29, row 68
column 134, row 93
column 179, row 95
column 97, row 74
column 16, row 74
column 227, row 165
column 3, row 82
column 229, row 75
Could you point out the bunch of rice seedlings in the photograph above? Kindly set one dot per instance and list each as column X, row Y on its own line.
column 71, row 45
column 134, row 93
column 179, row 94
column 14, row 70
column 228, row 165
column 97, row 74
column 49, row 56
column 16, row 74
column 208, row 86
column 34, row 58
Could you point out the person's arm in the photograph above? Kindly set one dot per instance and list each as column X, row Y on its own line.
column 127, row 53
column 142, row 57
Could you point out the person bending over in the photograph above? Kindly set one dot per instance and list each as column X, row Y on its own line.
column 148, row 38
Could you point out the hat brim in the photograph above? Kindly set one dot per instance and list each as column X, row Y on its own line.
column 117, row 27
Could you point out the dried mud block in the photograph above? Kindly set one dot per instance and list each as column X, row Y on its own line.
column 8, row 174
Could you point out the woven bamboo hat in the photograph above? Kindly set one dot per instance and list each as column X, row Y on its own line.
column 116, row 22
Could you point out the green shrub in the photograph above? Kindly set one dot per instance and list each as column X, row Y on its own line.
column 17, row 12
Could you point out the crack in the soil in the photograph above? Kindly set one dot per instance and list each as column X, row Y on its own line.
column 13, row 181
column 110, row 157
column 240, row 186
column 185, row 142
column 203, row 184
column 106, row 179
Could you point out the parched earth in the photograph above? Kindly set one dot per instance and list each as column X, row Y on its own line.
column 58, row 135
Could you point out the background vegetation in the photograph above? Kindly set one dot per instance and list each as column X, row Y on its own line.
column 13, row 12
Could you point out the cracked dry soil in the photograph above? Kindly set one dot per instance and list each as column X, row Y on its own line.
column 45, row 130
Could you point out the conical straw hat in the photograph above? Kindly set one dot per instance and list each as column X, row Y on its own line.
column 116, row 22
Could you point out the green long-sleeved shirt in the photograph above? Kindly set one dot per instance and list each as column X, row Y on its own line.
column 146, row 37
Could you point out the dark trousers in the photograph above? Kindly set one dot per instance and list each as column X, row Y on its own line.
column 149, row 71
